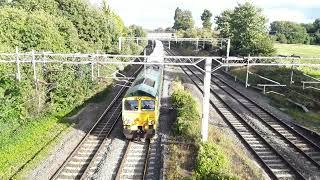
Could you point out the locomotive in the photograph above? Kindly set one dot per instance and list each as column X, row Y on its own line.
column 141, row 103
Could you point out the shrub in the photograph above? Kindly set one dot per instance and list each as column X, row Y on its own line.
column 188, row 118
column 211, row 163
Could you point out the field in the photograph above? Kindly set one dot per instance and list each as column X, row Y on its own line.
column 298, row 49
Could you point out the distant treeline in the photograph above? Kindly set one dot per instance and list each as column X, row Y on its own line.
column 295, row 33
column 233, row 24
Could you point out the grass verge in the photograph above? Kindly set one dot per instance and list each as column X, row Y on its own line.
column 22, row 149
column 219, row 158
column 308, row 97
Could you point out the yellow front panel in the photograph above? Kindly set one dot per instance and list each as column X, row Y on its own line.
column 140, row 117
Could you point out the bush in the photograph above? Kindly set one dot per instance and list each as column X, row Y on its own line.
column 211, row 163
column 188, row 118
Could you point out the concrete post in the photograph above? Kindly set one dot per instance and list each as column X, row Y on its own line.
column 247, row 76
column 18, row 75
column 34, row 67
column 197, row 44
column 206, row 100
column 291, row 76
column 228, row 48
column 98, row 70
column 120, row 43
column 92, row 71
column 228, row 53
column 145, row 60
column 137, row 41
column 169, row 44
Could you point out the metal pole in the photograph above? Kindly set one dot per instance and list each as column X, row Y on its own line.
column 35, row 79
column 18, row 75
column 228, row 53
column 145, row 60
column 291, row 76
column 206, row 100
column 120, row 43
column 228, row 48
column 197, row 44
column 34, row 68
column 98, row 74
column 247, row 76
column 169, row 44
column 92, row 71
column 137, row 41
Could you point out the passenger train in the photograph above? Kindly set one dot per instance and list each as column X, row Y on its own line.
column 141, row 103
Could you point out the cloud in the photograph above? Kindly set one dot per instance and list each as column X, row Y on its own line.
column 159, row 13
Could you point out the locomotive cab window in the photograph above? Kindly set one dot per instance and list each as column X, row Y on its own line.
column 148, row 105
column 131, row 105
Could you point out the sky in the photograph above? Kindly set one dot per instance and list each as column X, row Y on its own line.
column 152, row 14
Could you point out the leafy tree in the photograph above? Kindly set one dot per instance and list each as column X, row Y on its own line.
column 169, row 29
column 316, row 24
column 246, row 26
column 183, row 20
column 160, row 29
column 196, row 33
column 293, row 32
column 223, row 23
column 177, row 17
column 206, row 19
column 136, row 31
column 309, row 27
column 50, row 6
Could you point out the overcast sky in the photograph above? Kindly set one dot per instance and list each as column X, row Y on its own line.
column 159, row 13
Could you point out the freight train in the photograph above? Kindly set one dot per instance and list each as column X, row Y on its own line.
column 141, row 103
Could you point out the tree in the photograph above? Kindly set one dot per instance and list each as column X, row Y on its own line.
column 246, row 26
column 206, row 19
column 316, row 24
column 309, row 27
column 294, row 33
column 183, row 20
column 223, row 23
column 136, row 31
column 177, row 17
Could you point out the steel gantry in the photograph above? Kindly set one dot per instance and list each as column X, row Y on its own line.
column 35, row 58
column 198, row 41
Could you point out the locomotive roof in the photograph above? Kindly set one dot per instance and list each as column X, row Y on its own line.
column 147, row 83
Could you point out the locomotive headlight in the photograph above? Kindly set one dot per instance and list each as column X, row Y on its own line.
column 127, row 121
column 151, row 122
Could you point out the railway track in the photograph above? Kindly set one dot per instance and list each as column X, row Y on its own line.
column 246, row 118
column 134, row 164
column 83, row 160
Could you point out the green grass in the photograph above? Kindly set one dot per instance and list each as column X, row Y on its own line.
column 310, row 119
column 297, row 49
column 21, row 145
